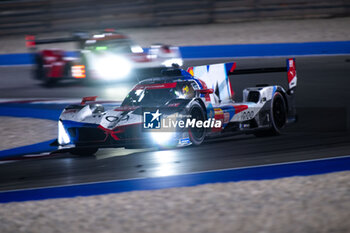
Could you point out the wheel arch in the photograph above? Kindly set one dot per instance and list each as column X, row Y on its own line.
column 284, row 95
column 200, row 101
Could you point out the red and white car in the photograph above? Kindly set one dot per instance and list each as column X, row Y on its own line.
column 106, row 56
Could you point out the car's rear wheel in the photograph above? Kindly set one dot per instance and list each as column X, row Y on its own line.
column 38, row 71
column 197, row 134
column 84, row 151
column 278, row 115
column 49, row 82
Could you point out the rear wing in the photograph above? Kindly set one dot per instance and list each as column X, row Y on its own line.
column 79, row 36
column 32, row 42
column 216, row 76
column 290, row 68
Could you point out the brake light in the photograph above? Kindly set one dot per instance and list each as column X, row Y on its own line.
column 78, row 71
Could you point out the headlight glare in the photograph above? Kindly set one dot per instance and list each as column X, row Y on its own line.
column 163, row 138
column 63, row 137
column 111, row 67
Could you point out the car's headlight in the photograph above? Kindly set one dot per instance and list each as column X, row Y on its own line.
column 111, row 67
column 63, row 137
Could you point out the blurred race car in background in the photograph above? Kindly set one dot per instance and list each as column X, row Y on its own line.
column 202, row 93
column 106, row 56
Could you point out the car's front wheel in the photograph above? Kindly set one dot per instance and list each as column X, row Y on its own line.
column 197, row 134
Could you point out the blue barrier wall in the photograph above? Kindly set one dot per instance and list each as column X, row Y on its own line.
column 263, row 50
column 221, row 51
column 302, row 168
column 16, row 59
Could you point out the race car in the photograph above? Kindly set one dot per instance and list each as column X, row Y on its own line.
column 151, row 114
column 107, row 56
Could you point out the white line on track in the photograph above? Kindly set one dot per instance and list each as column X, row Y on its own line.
column 190, row 173
column 50, row 101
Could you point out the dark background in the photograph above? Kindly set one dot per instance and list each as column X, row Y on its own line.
column 42, row 16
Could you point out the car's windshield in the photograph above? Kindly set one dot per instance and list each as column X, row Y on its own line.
column 149, row 97
column 117, row 46
column 159, row 94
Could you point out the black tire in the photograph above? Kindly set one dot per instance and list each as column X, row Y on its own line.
column 49, row 82
column 197, row 135
column 84, row 151
column 38, row 71
column 278, row 115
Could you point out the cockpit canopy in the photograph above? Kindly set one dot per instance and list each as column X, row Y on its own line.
column 159, row 94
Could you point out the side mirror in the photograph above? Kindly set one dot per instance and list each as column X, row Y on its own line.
column 206, row 91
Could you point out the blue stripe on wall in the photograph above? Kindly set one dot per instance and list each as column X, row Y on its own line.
column 49, row 114
column 27, row 150
column 16, row 59
column 261, row 50
column 305, row 168
column 219, row 51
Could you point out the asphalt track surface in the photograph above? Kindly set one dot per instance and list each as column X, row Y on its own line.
column 322, row 131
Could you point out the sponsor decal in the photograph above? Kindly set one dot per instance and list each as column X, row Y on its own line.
column 185, row 141
column 152, row 120
column 247, row 115
column 111, row 118
column 156, row 119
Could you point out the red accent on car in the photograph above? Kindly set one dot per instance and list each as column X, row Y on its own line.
column 240, row 108
column 155, row 86
column 231, row 90
column 229, row 83
column 53, row 59
column 233, row 67
column 174, row 105
column 206, row 91
column 119, row 129
column 125, row 108
column 219, row 116
column 190, row 71
column 111, row 132
column 204, row 85
column 88, row 98
column 166, row 49
column 291, row 71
